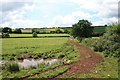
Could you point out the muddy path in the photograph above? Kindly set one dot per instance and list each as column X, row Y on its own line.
column 84, row 65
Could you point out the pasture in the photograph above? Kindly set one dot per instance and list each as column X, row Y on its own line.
column 39, row 35
column 99, row 29
column 26, row 45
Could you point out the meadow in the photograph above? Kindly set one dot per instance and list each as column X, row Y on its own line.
column 65, row 49
column 39, row 35
column 27, row 45
column 99, row 29
column 46, row 48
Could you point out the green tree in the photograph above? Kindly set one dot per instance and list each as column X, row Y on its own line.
column 18, row 31
column 113, row 32
column 82, row 29
column 5, row 35
column 7, row 30
column 34, row 34
column 58, row 30
column 66, row 31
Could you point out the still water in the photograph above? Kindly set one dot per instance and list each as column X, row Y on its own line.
column 29, row 62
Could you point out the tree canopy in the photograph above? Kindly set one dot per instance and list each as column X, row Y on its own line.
column 82, row 29
column 7, row 30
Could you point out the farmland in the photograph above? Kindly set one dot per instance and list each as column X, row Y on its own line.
column 30, row 35
column 58, row 55
column 26, row 45
column 46, row 48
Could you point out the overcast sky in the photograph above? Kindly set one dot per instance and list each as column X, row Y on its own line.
column 49, row 13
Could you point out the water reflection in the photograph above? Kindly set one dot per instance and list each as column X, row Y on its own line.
column 28, row 62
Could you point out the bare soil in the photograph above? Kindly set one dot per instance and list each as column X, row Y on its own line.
column 84, row 65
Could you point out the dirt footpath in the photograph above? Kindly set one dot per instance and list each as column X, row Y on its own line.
column 84, row 65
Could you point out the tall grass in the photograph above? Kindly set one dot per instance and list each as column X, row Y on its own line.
column 12, row 67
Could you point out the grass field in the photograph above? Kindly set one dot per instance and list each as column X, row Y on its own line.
column 42, row 30
column 56, row 48
column 26, row 30
column 99, row 29
column 25, row 45
column 30, row 35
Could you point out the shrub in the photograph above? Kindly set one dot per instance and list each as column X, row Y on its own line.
column 79, row 39
column 45, row 57
column 61, row 56
column 18, row 31
column 36, row 57
column 19, row 57
column 34, row 34
column 109, row 48
column 5, row 35
column 12, row 67
column 11, row 58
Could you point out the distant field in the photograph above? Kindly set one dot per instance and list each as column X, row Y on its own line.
column 30, row 35
column 99, row 29
column 96, row 29
column 26, row 45
column 41, row 30
column 26, row 30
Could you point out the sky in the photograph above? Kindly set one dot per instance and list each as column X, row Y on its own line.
column 56, row 13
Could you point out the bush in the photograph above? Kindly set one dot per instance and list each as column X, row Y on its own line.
column 61, row 56
column 18, row 31
column 12, row 67
column 36, row 57
column 109, row 44
column 109, row 48
column 5, row 35
column 19, row 57
column 11, row 58
column 79, row 39
column 34, row 34
column 46, row 57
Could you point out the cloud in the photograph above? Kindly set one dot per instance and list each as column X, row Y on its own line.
column 29, row 7
column 13, row 11
column 11, row 6
column 105, row 9
column 45, row 16
column 70, row 18
column 13, row 14
column 105, row 21
column 22, row 24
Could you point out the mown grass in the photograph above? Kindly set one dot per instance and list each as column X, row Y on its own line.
column 30, row 35
column 26, row 45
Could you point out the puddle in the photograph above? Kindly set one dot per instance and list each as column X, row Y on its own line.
column 28, row 62
column 3, row 62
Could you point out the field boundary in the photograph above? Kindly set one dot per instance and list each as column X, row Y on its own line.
column 39, row 37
